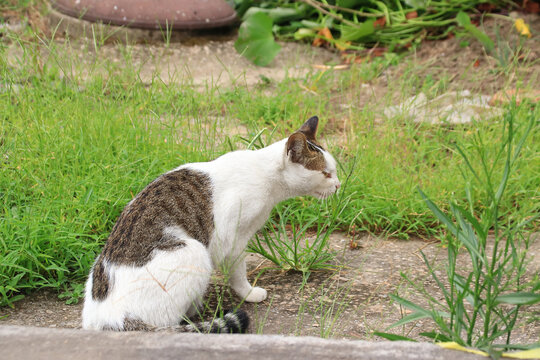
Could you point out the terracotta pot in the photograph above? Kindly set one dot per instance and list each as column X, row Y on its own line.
column 151, row 14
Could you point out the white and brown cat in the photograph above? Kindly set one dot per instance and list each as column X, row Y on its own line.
column 157, row 262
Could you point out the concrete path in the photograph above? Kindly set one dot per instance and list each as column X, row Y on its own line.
column 42, row 343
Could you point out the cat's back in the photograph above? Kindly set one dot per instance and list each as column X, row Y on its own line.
column 241, row 167
column 188, row 197
column 182, row 197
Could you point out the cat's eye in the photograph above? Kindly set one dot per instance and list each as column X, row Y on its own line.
column 327, row 174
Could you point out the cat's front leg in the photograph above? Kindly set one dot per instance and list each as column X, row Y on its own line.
column 241, row 286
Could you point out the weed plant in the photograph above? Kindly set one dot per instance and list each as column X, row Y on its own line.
column 350, row 25
column 286, row 242
column 481, row 306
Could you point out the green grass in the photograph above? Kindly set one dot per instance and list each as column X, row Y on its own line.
column 75, row 149
column 16, row 5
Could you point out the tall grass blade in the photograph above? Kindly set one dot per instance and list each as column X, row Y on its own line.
column 393, row 337
column 518, row 298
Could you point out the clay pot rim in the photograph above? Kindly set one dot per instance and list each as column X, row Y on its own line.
column 156, row 25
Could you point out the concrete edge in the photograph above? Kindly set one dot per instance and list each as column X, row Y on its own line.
column 18, row 342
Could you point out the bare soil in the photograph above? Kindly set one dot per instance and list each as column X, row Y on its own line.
column 354, row 297
column 350, row 302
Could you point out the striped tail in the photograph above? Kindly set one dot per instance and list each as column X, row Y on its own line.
column 233, row 321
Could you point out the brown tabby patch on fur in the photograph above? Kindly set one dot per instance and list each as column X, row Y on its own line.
column 130, row 325
column 100, row 280
column 136, row 325
column 181, row 198
column 305, row 154
column 315, row 162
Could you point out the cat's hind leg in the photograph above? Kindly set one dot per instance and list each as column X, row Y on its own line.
column 169, row 285
column 158, row 293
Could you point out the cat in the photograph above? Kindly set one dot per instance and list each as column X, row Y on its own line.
column 157, row 262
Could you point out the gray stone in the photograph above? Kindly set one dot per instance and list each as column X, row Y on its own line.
column 456, row 107
column 41, row 343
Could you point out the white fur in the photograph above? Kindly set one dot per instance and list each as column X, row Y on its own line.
column 246, row 185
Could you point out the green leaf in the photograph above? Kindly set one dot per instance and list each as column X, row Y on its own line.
column 256, row 41
column 439, row 214
column 464, row 20
column 311, row 24
column 304, row 33
column 416, row 4
column 278, row 15
column 493, row 353
column 410, row 305
column 436, row 336
column 352, row 33
column 468, row 238
column 518, row 346
column 409, row 318
column 392, row 337
column 518, row 298
column 472, row 220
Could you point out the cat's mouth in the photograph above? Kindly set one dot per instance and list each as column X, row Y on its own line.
column 322, row 195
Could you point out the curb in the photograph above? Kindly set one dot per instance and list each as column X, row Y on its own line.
column 19, row 342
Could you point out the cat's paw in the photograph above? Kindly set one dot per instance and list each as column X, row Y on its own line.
column 256, row 294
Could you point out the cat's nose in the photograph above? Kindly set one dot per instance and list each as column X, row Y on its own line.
column 338, row 185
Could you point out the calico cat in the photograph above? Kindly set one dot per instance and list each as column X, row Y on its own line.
column 156, row 264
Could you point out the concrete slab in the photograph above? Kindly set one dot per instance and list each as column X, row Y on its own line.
column 41, row 343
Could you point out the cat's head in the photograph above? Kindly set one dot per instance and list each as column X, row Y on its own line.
column 311, row 170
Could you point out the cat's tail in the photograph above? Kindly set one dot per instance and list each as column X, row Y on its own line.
column 233, row 321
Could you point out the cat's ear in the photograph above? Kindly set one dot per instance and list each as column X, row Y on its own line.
column 309, row 128
column 296, row 147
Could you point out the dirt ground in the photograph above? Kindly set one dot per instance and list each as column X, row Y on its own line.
column 350, row 302
column 355, row 297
